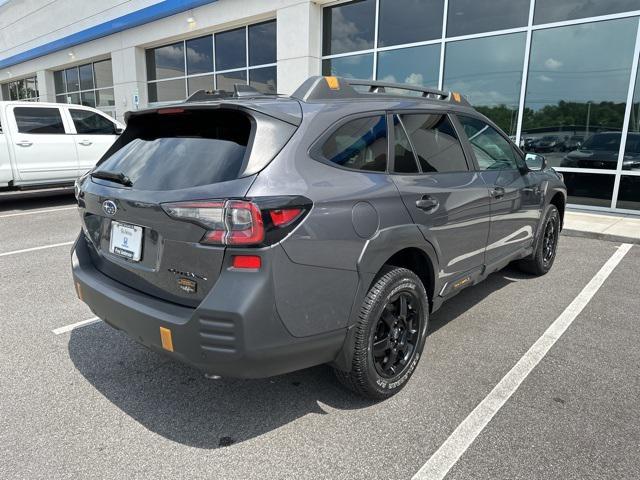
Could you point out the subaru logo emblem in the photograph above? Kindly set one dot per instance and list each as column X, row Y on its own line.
column 109, row 207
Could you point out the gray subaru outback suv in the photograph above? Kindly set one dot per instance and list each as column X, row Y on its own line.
column 251, row 235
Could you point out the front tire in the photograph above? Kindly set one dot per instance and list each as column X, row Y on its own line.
column 389, row 335
column 541, row 260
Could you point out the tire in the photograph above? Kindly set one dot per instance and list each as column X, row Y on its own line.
column 381, row 321
column 541, row 260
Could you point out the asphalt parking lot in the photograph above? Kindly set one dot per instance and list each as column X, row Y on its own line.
column 90, row 403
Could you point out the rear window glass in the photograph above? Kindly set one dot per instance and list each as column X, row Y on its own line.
column 38, row 120
column 176, row 151
column 360, row 144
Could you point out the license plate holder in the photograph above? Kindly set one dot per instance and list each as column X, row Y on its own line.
column 126, row 240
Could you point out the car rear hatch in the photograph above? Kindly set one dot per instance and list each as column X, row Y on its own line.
column 166, row 159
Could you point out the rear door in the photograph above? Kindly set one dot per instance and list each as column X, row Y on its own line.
column 94, row 134
column 516, row 194
column 44, row 149
column 448, row 200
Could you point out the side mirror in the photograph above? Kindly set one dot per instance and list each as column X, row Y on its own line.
column 535, row 162
column 118, row 130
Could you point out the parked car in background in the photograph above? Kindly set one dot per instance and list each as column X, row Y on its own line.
column 48, row 144
column 601, row 150
column 573, row 142
column 549, row 143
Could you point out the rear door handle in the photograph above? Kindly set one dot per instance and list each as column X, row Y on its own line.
column 497, row 192
column 24, row 143
column 86, row 143
column 427, row 203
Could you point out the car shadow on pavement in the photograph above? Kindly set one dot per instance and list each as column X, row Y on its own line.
column 179, row 403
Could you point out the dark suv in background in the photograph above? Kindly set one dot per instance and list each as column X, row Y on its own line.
column 252, row 235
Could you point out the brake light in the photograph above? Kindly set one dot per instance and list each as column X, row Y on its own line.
column 170, row 111
column 283, row 217
column 231, row 222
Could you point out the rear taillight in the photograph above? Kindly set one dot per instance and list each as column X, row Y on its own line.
column 284, row 216
column 231, row 222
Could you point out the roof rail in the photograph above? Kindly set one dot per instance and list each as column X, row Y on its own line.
column 240, row 90
column 327, row 88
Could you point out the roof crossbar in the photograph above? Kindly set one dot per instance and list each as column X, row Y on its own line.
column 240, row 90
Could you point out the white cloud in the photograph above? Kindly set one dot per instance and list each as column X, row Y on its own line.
column 552, row 63
column 544, row 78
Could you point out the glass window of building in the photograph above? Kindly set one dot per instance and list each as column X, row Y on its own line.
column 354, row 66
column 631, row 160
column 576, row 93
column 418, row 65
column 488, row 72
column 24, row 89
column 473, row 16
column 547, row 11
column 348, row 27
column 215, row 61
column 90, row 84
column 408, row 21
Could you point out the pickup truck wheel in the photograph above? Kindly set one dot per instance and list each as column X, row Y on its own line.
column 389, row 335
column 541, row 260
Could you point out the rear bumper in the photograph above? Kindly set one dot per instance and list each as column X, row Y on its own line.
column 234, row 332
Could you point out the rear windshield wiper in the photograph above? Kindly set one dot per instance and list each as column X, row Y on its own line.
column 117, row 177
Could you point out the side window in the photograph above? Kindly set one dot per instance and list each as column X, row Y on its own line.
column 404, row 161
column 91, row 123
column 360, row 144
column 38, row 120
column 491, row 149
column 435, row 142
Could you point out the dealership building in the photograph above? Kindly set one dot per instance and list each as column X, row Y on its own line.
column 559, row 76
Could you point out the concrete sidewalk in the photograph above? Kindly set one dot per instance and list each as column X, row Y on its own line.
column 612, row 227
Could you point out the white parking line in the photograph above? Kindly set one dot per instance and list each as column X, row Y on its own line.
column 73, row 326
column 33, row 249
column 463, row 436
column 33, row 212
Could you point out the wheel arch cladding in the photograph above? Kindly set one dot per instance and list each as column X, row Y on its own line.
column 559, row 201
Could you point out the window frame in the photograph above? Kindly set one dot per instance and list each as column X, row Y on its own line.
column 471, row 166
column 315, row 150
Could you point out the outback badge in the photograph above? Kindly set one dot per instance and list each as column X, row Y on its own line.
column 187, row 285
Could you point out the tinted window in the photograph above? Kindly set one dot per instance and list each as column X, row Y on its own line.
column 73, row 83
column 360, row 144
column 166, row 91
column 262, row 43
column 103, row 74
column 491, row 149
column 629, row 193
column 86, row 77
column 202, row 82
column 264, row 79
column 200, row 55
column 577, row 85
column 404, row 160
column 231, row 49
column 475, row 16
column 165, row 62
column 105, row 98
column 404, row 21
column 58, row 81
column 38, row 120
column 589, row 188
column 171, row 152
column 418, row 65
column 555, row 11
column 355, row 66
column 435, row 143
column 226, row 81
column 91, row 123
column 88, row 99
column 632, row 147
column 348, row 27
column 489, row 73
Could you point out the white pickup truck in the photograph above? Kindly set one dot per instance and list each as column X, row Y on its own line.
column 44, row 144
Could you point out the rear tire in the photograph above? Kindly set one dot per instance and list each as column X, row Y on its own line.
column 541, row 260
column 389, row 335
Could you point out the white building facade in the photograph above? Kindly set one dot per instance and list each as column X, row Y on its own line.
column 559, row 76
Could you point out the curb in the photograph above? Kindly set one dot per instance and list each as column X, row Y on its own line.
column 599, row 236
